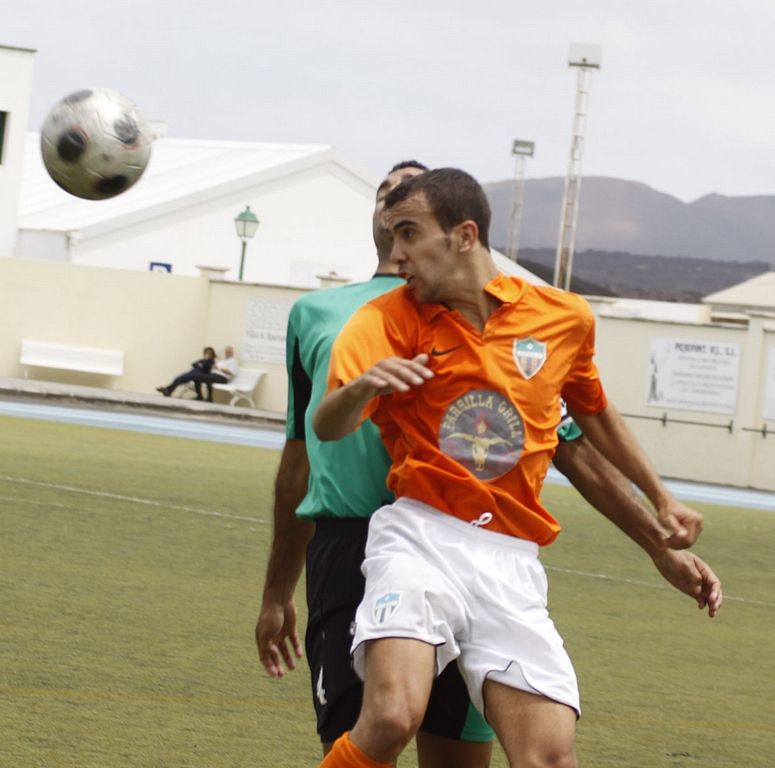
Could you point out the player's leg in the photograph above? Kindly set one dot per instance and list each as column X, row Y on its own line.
column 405, row 629
column 440, row 752
column 512, row 658
column 334, row 589
column 453, row 734
column 535, row 732
column 398, row 678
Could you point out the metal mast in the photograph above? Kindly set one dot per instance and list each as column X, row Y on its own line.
column 586, row 58
column 521, row 150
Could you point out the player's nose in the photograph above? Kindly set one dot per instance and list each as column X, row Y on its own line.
column 396, row 256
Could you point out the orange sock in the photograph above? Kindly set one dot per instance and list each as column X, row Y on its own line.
column 344, row 754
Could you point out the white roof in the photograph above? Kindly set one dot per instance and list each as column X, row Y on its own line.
column 662, row 311
column 181, row 172
column 756, row 293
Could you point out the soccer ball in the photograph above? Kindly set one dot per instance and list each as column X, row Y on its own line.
column 95, row 143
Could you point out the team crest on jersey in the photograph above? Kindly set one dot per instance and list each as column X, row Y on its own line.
column 484, row 432
column 529, row 355
column 386, row 606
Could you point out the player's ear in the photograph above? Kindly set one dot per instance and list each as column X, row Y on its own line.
column 467, row 235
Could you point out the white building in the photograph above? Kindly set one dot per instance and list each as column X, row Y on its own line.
column 15, row 84
column 314, row 207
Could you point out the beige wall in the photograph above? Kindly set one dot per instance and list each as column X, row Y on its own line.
column 161, row 322
column 695, row 451
column 226, row 318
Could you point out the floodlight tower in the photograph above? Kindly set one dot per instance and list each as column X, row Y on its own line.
column 521, row 150
column 586, row 58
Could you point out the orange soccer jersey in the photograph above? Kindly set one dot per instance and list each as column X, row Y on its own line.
column 476, row 440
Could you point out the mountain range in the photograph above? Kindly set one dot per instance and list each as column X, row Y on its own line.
column 617, row 215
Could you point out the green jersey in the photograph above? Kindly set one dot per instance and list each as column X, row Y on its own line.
column 347, row 476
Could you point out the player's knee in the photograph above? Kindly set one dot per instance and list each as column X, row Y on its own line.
column 393, row 723
column 550, row 755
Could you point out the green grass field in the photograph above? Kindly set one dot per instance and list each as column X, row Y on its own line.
column 130, row 574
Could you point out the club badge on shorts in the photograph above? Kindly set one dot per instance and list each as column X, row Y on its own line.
column 385, row 606
column 529, row 355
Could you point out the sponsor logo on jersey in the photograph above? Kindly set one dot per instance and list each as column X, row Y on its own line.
column 484, row 432
column 386, row 606
column 529, row 355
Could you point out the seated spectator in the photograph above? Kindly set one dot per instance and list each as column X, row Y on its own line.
column 221, row 373
column 198, row 368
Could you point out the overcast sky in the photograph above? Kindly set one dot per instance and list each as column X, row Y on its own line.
column 684, row 102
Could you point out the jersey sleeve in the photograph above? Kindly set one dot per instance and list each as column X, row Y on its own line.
column 299, row 380
column 583, row 390
column 567, row 429
column 368, row 337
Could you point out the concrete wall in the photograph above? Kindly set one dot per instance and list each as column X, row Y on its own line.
column 705, row 449
column 158, row 321
column 161, row 322
column 228, row 317
column 16, row 66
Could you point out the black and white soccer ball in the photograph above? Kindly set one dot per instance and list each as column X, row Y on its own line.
column 95, row 143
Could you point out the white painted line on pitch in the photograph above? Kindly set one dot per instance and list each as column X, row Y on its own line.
column 707, row 494
column 213, row 513
column 637, row 582
column 132, row 499
column 275, row 439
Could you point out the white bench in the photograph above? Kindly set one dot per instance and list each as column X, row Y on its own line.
column 241, row 387
column 43, row 354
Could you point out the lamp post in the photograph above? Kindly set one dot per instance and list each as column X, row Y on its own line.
column 246, row 224
column 521, row 151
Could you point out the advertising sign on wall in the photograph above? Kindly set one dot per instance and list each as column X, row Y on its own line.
column 263, row 339
column 769, row 388
column 693, row 375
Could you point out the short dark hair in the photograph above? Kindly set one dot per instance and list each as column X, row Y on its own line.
column 407, row 164
column 454, row 196
column 210, row 350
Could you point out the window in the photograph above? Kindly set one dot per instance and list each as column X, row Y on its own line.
column 3, row 123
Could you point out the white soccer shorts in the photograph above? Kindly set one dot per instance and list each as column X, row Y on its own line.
column 473, row 593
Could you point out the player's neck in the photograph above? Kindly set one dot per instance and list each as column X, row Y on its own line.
column 468, row 296
column 386, row 268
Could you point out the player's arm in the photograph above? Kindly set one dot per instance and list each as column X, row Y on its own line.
column 611, row 436
column 606, row 489
column 276, row 634
column 342, row 409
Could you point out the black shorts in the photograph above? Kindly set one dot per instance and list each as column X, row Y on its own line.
column 335, row 587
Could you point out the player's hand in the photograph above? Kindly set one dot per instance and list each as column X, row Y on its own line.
column 683, row 524
column 394, row 374
column 276, row 637
column 692, row 576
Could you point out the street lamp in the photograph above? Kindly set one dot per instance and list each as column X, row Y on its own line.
column 521, row 151
column 246, row 224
